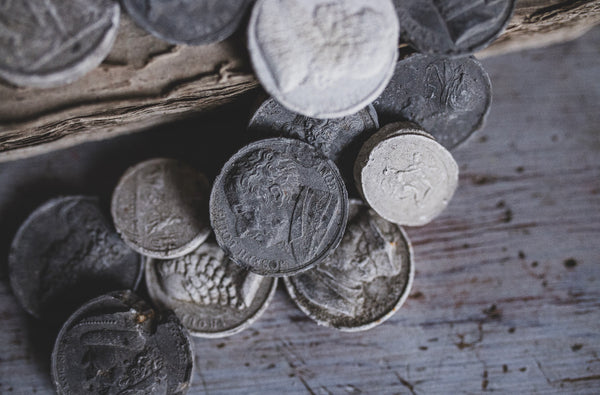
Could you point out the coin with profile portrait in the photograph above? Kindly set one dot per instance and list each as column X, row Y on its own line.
column 278, row 207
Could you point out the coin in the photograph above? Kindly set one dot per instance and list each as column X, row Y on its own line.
column 160, row 208
column 448, row 97
column 407, row 178
column 323, row 58
column 278, row 207
column 192, row 22
column 46, row 43
column 364, row 281
column 211, row 295
column 452, row 27
column 66, row 253
column 116, row 344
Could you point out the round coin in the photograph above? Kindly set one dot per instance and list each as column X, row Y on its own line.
column 448, row 97
column 116, row 344
column 364, row 281
column 65, row 253
column 323, row 58
column 160, row 208
column 191, row 22
column 406, row 177
column 211, row 295
column 46, row 43
column 452, row 27
column 278, row 207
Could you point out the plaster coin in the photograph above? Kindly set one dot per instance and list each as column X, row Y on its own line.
column 65, row 253
column 160, row 208
column 192, row 22
column 323, row 58
column 366, row 279
column 116, row 344
column 45, row 43
column 211, row 295
column 449, row 97
column 407, row 178
column 278, row 207
column 452, row 27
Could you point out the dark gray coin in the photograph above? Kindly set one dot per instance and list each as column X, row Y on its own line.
column 452, row 27
column 192, row 22
column 278, row 207
column 66, row 253
column 46, row 43
column 364, row 282
column 448, row 97
column 116, row 344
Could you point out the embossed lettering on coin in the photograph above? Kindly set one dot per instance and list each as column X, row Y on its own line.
column 49, row 42
column 448, row 97
column 116, row 344
column 278, row 207
column 211, row 295
column 323, row 58
column 364, row 281
column 407, row 178
column 160, row 208
column 66, row 253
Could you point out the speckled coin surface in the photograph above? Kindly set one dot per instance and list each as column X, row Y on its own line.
column 448, row 97
column 212, row 296
column 117, row 344
column 160, row 208
column 452, row 27
column 407, row 178
column 323, row 58
column 364, row 282
column 65, row 253
column 192, row 22
column 45, row 43
column 278, row 207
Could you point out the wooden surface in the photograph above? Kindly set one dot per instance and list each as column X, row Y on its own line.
column 146, row 82
column 507, row 288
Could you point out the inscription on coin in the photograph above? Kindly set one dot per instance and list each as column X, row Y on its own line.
column 366, row 279
column 160, row 208
column 46, row 43
column 66, row 253
column 323, row 58
column 278, row 207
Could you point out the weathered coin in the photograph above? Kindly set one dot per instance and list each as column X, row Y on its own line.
column 407, row 178
column 278, row 207
column 45, row 43
column 452, row 27
column 366, row 279
column 66, row 253
column 323, row 58
column 448, row 97
column 116, row 344
column 160, row 208
column 192, row 22
column 211, row 295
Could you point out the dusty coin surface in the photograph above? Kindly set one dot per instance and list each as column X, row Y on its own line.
column 366, row 279
column 45, row 43
column 192, row 22
column 160, row 208
column 452, row 27
column 406, row 177
column 116, row 344
column 323, row 58
column 211, row 295
column 278, row 207
column 448, row 97
column 65, row 253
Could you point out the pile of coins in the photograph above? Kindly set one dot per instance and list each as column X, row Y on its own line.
column 352, row 145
